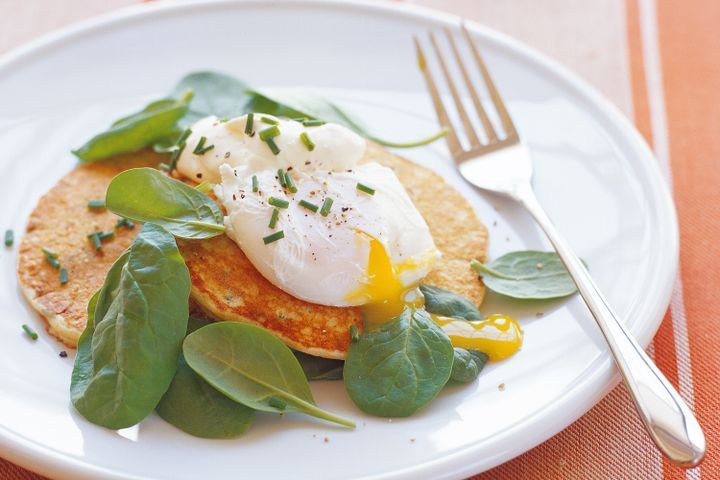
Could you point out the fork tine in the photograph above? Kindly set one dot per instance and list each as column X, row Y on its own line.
column 469, row 130
column 484, row 119
column 450, row 136
column 492, row 90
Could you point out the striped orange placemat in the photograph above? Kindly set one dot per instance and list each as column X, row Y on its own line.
column 674, row 80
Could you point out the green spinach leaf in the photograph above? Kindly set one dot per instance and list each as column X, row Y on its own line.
column 195, row 407
column 155, row 122
column 146, row 195
column 448, row 304
column 251, row 366
column 319, row 368
column 128, row 353
column 467, row 365
column 529, row 275
column 400, row 367
column 214, row 94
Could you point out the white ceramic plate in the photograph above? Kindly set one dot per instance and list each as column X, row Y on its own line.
column 595, row 176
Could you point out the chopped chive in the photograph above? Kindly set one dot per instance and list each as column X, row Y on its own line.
column 306, row 140
column 124, row 222
column 255, row 184
column 274, row 218
column 49, row 253
column 95, row 238
column 53, row 262
column 63, row 276
column 274, row 237
column 249, row 123
column 299, row 119
column 96, row 204
column 278, row 202
column 183, row 136
column 326, row 206
column 269, row 121
column 354, row 336
column 277, row 402
column 310, row 206
column 313, row 123
column 281, row 177
column 204, row 187
column 176, row 155
column 290, row 183
column 273, row 146
column 164, row 166
column 9, row 237
column 200, row 148
column 365, row 188
column 106, row 235
column 270, row 132
column 31, row 333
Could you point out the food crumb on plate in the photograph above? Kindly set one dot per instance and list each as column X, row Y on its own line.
column 326, row 440
column 501, row 387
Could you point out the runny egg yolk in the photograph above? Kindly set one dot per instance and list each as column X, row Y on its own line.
column 499, row 336
column 385, row 297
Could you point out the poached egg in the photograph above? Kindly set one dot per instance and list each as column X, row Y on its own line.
column 342, row 234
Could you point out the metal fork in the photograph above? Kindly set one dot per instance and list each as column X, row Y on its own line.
column 502, row 164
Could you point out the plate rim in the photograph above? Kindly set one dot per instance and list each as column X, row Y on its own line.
column 459, row 464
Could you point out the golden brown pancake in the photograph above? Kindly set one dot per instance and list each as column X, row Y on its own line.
column 60, row 222
column 224, row 282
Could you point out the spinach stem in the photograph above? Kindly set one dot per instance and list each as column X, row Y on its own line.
column 318, row 412
column 417, row 143
column 481, row 268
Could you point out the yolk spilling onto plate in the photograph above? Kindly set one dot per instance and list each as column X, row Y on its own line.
column 499, row 336
column 385, row 297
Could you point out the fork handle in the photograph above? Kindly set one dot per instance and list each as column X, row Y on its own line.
column 667, row 418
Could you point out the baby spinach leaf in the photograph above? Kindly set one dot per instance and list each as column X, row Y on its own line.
column 128, row 134
column 214, row 94
column 128, row 353
column 195, row 407
column 467, row 365
column 319, row 368
column 400, row 367
column 529, row 275
column 448, row 304
column 146, row 195
column 251, row 366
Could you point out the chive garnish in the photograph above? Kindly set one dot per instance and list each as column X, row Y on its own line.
column 365, row 188
column 51, row 257
column 306, row 140
column 277, row 402
column 164, row 166
column 290, row 183
column 124, row 222
column 281, row 177
column 270, row 132
column 249, row 123
column 354, row 336
column 273, row 146
column 105, row 235
column 313, row 123
column 299, row 119
column 269, row 121
column 176, row 155
column 310, row 206
column 278, row 202
column 183, row 136
column 274, row 218
column 9, row 237
column 200, row 148
column 31, row 333
column 63, row 276
column 96, row 204
column 274, row 237
column 255, row 184
column 326, row 206
column 95, row 238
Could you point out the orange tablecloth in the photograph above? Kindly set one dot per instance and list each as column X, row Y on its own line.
column 658, row 61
